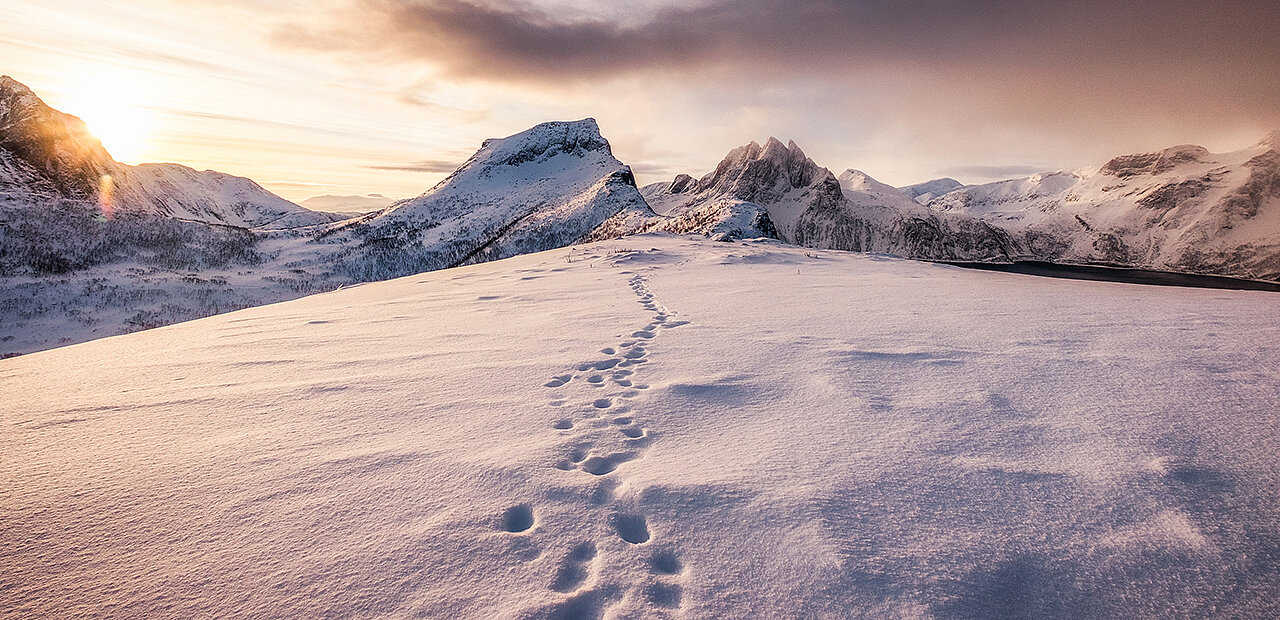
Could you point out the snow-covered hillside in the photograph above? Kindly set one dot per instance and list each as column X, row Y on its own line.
column 1180, row 209
column 613, row 437
column 775, row 190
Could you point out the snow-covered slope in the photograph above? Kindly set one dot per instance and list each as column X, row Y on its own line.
column 612, row 437
column 542, row 188
column 776, row 189
column 1180, row 209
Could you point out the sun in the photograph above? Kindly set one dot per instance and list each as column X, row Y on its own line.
column 113, row 109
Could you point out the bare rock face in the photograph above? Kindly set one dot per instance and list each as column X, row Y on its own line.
column 1127, row 166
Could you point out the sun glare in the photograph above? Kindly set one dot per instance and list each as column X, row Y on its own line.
column 112, row 109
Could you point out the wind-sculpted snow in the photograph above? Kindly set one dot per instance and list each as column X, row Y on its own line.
column 1181, row 209
column 594, row 432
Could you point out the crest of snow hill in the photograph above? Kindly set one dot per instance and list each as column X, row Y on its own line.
column 67, row 209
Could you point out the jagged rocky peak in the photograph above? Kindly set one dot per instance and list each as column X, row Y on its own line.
column 55, row 144
column 773, row 168
column 547, row 140
column 1154, row 163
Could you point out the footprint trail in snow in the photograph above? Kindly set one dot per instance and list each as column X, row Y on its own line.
column 604, row 433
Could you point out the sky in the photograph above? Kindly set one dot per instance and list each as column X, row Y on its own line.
column 354, row 97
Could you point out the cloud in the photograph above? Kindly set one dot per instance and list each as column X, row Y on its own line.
column 428, row 165
column 993, row 172
column 518, row 41
column 1090, row 66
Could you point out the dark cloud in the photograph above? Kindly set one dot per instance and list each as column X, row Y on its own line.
column 1038, row 61
column 430, row 165
column 514, row 41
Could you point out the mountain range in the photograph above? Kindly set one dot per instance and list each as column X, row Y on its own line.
column 90, row 247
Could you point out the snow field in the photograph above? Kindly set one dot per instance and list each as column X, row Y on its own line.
column 663, row 427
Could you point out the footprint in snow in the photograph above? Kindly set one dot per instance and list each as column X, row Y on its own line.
column 666, row 595
column 665, row 562
column 517, row 519
column 631, row 528
column 602, row 465
column 573, row 571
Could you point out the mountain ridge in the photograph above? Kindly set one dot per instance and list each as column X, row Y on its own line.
column 122, row 247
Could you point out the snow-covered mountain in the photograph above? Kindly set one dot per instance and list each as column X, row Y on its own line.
column 1181, row 209
column 662, row 428
column 542, row 188
column 775, row 190
column 180, row 192
column 48, row 155
column 353, row 205
column 90, row 247
column 924, row 192
column 45, row 151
